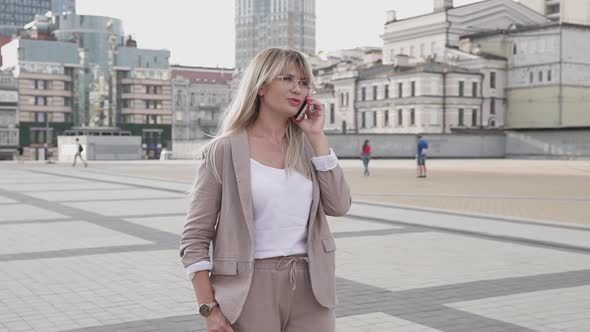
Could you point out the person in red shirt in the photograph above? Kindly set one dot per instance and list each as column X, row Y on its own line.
column 366, row 156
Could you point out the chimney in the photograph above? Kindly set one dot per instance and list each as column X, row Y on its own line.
column 440, row 5
column 391, row 16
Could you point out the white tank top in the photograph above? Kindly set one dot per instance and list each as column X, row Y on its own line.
column 281, row 202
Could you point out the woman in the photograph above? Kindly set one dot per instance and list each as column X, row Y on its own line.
column 366, row 156
column 262, row 196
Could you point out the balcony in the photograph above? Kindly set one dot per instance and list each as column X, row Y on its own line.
column 45, row 108
column 146, row 111
column 145, row 96
column 143, row 81
column 49, row 77
column 46, row 92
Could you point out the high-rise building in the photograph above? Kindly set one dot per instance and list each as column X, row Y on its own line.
column 8, row 115
column 565, row 11
column 78, row 70
column 273, row 23
column 14, row 14
column 63, row 6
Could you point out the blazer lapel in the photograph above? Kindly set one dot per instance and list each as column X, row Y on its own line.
column 240, row 150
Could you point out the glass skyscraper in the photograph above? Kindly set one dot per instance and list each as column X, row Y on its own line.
column 63, row 6
column 273, row 23
column 15, row 14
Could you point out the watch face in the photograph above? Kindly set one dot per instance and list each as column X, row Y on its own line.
column 204, row 310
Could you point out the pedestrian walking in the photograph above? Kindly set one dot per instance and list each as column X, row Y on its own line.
column 19, row 155
column 366, row 156
column 79, row 149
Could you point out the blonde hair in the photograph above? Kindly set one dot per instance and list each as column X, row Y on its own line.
column 244, row 107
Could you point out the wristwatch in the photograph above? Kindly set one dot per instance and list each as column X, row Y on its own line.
column 205, row 308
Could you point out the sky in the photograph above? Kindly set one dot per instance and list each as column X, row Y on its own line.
column 201, row 32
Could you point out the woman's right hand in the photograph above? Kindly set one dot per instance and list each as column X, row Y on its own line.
column 216, row 322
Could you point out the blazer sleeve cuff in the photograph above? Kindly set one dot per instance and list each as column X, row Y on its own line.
column 325, row 163
column 197, row 267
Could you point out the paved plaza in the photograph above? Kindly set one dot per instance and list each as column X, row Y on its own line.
column 480, row 245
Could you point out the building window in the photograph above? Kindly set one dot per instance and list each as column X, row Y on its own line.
column 493, row 80
column 386, row 92
column 332, row 115
column 492, row 123
column 375, row 92
column 412, row 117
column 152, row 119
column 549, row 75
column 386, row 118
column 461, row 117
column 341, row 99
column 474, row 89
column 40, row 84
column 540, row 76
column 178, row 98
column 400, row 90
column 41, row 100
column 40, row 117
column 514, row 50
column 363, row 94
column 422, row 50
column 400, row 117
column 346, row 99
column 461, row 89
column 492, row 105
column 374, row 119
column 553, row 9
column 474, row 118
column 531, row 77
column 192, row 99
column 363, row 120
column 68, row 101
column 413, row 88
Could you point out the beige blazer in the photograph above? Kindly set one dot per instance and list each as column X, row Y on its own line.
column 222, row 213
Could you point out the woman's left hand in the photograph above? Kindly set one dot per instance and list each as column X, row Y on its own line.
column 314, row 124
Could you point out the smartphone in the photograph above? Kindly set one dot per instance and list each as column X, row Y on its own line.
column 301, row 113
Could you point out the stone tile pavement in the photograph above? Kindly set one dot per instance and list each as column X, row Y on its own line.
column 95, row 249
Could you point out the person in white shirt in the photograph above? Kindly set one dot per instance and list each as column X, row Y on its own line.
column 261, row 195
column 79, row 150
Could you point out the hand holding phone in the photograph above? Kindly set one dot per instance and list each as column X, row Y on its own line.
column 302, row 111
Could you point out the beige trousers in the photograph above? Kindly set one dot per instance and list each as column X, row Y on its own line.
column 281, row 299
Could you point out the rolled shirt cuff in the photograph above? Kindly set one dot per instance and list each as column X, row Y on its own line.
column 325, row 163
column 197, row 267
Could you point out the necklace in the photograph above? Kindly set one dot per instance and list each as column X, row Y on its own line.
column 274, row 146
